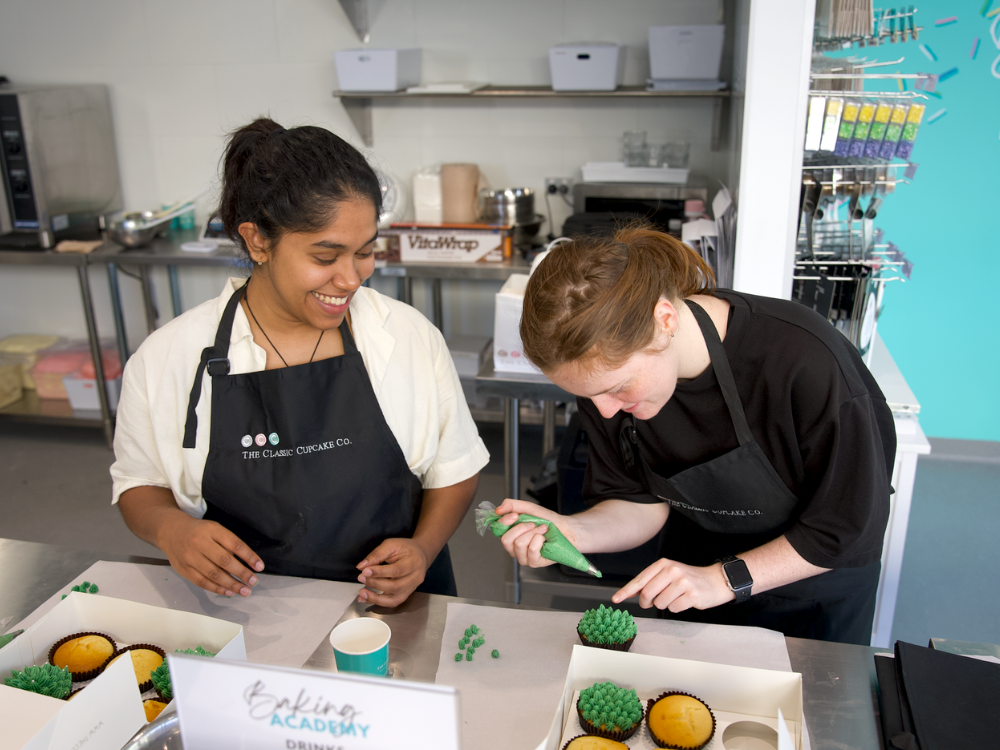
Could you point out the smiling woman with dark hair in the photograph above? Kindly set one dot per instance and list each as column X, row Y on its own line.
column 299, row 424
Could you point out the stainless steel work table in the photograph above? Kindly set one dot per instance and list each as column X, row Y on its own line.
column 838, row 681
column 30, row 407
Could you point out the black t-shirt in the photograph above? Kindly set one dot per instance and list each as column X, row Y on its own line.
column 814, row 409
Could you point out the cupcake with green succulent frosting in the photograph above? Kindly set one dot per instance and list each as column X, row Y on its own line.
column 607, row 627
column 609, row 711
column 161, row 675
column 45, row 680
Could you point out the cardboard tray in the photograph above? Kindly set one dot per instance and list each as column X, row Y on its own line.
column 109, row 711
column 733, row 693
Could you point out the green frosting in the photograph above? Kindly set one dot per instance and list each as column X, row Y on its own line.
column 474, row 629
column 161, row 675
column 468, row 632
column 5, row 639
column 471, row 650
column 604, row 704
column 495, row 654
column 556, row 547
column 85, row 588
column 46, row 679
column 458, row 657
column 607, row 625
column 469, row 653
column 461, row 644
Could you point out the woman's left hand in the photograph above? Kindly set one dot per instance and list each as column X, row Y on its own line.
column 396, row 567
column 672, row 585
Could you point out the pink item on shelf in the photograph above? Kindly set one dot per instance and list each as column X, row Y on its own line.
column 49, row 371
column 112, row 366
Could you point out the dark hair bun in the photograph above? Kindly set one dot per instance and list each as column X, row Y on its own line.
column 290, row 180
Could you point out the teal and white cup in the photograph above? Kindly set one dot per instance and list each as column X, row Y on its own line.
column 361, row 645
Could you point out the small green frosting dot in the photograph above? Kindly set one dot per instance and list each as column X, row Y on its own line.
column 478, row 642
column 469, row 653
column 474, row 629
column 495, row 654
column 45, row 679
column 458, row 657
column 461, row 644
column 468, row 632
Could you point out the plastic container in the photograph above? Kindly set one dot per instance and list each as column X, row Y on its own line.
column 24, row 350
column 10, row 384
column 51, row 368
column 594, row 66
column 377, row 69
column 81, row 386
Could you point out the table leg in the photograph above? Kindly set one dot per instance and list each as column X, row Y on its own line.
column 406, row 290
column 438, row 312
column 512, row 468
column 95, row 352
column 148, row 300
column 175, row 290
column 548, row 427
column 121, row 335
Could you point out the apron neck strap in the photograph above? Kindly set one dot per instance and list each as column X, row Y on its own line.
column 215, row 359
column 723, row 373
column 348, row 340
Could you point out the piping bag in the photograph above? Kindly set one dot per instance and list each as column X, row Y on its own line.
column 556, row 547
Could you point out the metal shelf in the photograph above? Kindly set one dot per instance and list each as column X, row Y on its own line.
column 358, row 104
column 31, row 408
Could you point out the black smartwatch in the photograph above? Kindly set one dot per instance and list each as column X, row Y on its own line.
column 738, row 577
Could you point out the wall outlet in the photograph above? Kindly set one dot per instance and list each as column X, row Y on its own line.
column 559, row 186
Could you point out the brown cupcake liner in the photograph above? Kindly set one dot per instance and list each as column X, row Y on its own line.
column 661, row 743
column 619, row 736
column 148, row 684
column 625, row 646
column 571, row 739
column 73, row 693
column 90, row 674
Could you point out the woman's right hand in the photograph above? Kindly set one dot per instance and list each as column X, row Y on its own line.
column 208, row 554
column 524, row 541
column 204, row 552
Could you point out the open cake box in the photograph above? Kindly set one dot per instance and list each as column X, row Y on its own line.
column 109, row 710
column 745, row 701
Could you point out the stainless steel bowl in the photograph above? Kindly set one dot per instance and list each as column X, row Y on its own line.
column 508, row 205
column 134, row 230
column 162, row 734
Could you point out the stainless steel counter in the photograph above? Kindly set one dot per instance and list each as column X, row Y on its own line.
column 838, row 680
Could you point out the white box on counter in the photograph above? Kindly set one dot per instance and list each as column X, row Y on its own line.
column 109, row 711
column 735, row 694
column 377, row 69
column 82, row 392
column 508, row 352
column 593, row 66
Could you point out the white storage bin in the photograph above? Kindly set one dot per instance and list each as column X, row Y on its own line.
column 377, row 69
column 592, row 66
column 508, row 353
column 685, row 52
column 82, row 392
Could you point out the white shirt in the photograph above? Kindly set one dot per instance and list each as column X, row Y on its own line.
column 407, row 360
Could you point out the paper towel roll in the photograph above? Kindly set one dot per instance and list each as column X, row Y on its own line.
column 459, row 193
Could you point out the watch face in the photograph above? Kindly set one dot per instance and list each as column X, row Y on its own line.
column 738, row 574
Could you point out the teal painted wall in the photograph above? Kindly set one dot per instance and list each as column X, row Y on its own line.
column 943, row 327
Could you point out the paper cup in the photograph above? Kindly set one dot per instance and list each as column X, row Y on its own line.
column 362, row 646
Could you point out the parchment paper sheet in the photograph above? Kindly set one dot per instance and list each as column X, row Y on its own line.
column 283, row 620
column 509, row 702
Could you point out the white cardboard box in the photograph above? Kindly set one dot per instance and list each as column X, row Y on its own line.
column 508, row 352
column 82, row 392
column 596, row 66
column 685, row 51
column 377, row 69
column 451, row 246
column 734, row 694
column 616, row 171
column 109, row 711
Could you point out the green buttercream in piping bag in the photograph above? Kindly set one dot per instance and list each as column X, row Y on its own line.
column 556, row 547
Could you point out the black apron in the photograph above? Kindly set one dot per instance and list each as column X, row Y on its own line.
column 736, row 502
column 302, row 465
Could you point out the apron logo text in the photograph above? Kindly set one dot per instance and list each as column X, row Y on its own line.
column 718, row 512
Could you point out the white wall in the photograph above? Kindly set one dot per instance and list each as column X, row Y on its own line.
column 184, row 72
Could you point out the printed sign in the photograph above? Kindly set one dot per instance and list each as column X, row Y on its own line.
column 255, row 707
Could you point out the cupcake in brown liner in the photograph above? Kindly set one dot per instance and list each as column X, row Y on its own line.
column 609, row 711
column 680, row 721
column 593, row 742
column 153, row 708
column 607, row 627
column 75, row 693
column 146, row 659
column 83, row 653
